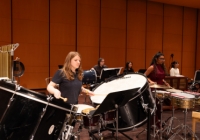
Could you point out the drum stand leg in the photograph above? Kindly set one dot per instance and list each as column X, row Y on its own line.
column 155, row 132
column 170, row 127
column 17, row 87
column 184, row 128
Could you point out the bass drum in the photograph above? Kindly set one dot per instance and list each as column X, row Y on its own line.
column 133, row 113
column 21, row 120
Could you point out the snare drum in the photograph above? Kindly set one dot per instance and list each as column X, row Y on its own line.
column 90, row 122
column 81, row 107
column 197, row 96
column 183, row 100
column 161, row 94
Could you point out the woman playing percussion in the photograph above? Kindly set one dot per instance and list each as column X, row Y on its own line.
column 69, row 79
column 155, row 75
column 157, row 70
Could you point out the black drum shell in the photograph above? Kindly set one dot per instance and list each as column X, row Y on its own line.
column 133, row 114
column 24, row 112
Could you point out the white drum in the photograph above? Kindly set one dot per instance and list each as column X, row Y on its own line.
column 183, row 100
column 132, row 90
column 80, row 108
column 174, row 90
column 127, row 82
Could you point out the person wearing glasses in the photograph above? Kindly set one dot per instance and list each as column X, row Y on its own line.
column 156, row 73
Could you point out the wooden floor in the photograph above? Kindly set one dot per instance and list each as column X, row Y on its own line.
column 179, row 115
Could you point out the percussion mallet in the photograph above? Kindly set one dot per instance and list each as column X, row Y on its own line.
column 64, row 99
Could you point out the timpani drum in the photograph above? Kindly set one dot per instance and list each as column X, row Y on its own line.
column 183, row 100
column 133, row 113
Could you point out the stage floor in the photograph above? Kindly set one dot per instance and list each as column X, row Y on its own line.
column 107, row 135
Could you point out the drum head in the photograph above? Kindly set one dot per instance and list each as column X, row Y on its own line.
column 125, row 82
column 82, row 107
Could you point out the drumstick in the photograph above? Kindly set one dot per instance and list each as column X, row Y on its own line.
column 100, row 94
column 64, row 99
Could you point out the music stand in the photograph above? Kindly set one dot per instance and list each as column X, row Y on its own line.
column 115, row 100
column 109, row 72
column 142, row 71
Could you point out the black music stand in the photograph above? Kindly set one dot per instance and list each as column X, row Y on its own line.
column 109, row 72
column 113, row 101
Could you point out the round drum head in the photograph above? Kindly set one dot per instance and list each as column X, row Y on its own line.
column 127, row 82
column 82, row 107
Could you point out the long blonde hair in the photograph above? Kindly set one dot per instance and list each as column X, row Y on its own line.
column 66, row 70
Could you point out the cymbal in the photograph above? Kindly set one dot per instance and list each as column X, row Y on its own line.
column 159, row 86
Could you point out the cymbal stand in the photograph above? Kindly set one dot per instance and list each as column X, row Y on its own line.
column 184, row 128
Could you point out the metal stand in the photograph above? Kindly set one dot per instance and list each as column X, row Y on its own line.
column 17, row 87
column 184, row 128
column 169, row 129
column 155, row 132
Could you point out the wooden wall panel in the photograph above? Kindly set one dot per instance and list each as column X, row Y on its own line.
column 117, row 30
column 172, row 33
column 5, row 24
column 88, row 31
column 154, row 33
column 137, row 57
column 136, row 33
column 30, row 30
column 62, row 31
column 189, row 41
column 113, row 32
column 197, row 56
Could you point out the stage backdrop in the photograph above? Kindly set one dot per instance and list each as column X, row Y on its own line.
column 117, row 30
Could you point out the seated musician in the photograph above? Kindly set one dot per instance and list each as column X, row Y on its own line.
column 128, row 67
column 156, row 73
column 69, row 79
column 174, row 71
column 98, row 68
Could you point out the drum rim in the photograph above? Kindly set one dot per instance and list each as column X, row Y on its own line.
column 140, row 90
